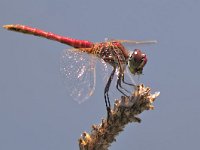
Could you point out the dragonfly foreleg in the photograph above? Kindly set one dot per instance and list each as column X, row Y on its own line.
column 119, row 79
column 106, row 96
column 131, row 84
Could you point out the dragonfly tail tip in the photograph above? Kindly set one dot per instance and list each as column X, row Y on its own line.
column 8, row 27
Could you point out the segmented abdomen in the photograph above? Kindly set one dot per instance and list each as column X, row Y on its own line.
column 49, row 35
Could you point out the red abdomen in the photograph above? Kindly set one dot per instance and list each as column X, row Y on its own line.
column 37, row 32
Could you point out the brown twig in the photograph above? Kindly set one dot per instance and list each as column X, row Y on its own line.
column 125, row 111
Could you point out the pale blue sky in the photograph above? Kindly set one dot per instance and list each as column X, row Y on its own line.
column 36, row 112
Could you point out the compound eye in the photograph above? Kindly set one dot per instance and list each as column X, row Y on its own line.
column 138, row 55
column 143, row 56
column 144, row 59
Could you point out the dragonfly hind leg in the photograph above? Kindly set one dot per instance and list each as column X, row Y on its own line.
column 106, row 96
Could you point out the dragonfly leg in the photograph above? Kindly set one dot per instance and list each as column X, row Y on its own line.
column 106, row 96
column 119, row 79
column 131, row 84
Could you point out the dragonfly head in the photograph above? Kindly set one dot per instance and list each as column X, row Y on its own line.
column 137, row 61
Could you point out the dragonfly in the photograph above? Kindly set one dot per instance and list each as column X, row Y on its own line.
column 111, row 52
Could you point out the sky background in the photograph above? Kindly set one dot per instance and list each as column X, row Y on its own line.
column 36, row 111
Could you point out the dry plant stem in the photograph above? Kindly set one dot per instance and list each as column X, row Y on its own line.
column 125, row 111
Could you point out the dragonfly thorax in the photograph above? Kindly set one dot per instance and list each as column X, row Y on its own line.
column 111, row 52
column 137, row 61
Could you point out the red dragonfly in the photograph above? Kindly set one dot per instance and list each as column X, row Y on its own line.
column 110, row 52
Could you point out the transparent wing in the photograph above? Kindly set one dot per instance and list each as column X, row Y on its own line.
column 78, row 71
column 132, row 41
column 137, row 42
column 105, row 71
